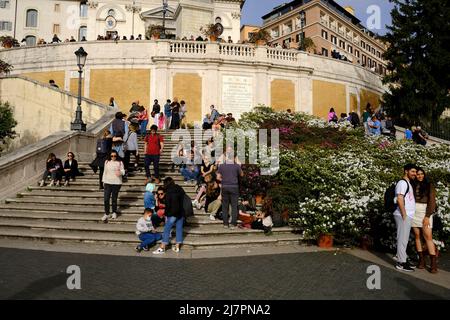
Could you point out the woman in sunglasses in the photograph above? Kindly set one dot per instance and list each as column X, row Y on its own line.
column 112, row 181
column 71, row 168
column 158, row 217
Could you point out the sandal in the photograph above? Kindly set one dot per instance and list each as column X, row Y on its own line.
column 176, row 249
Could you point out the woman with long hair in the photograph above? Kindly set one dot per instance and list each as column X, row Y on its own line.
column 112, row 181
column 54, row 168
column 422, row 223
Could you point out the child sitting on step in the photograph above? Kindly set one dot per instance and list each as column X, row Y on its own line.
column 149, row 197
column 146, row 232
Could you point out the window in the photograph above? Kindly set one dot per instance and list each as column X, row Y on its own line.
column 373, row 51
column 324, row 34
column 56, row 29
column 364, row 59
column 334, row 39
column 30, row 40
column 378, row 54
column 5, row 25
column 342, row 44
column 57, row 7
column 368, row 48
column 82, row 33
column 32, row 18
column 4, row 4
column 324, row 52
column 363, row 44
column 83, row 9
column 357, row 53
column 350, row 49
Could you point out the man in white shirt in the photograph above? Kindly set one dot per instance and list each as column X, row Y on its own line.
column 403, row 215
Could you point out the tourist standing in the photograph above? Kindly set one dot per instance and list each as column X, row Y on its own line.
column 228, row 173
column 112, row 102
column 332, row 116
column 112, row 180
column 175, row 108
column 422, row 223
column 167, row 114
column 143, row 120
column 403, row 215
column 104, row 148
column 174, row 197
column 130, row 147
column 183, row 110
column 154, row 144
column 156, row 109
column 214, row 114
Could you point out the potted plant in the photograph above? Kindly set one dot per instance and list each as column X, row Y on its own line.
column 8, row 42
column 260, row 38
column 209, row 31
column 325, row 240
column 282, row 201
column 5, row 68
column 154, row 31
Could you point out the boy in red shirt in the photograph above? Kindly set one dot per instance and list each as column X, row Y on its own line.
column 154, row 144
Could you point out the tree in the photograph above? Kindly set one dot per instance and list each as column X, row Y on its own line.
column 418, row 55
column 7, row 124
column 5, row 68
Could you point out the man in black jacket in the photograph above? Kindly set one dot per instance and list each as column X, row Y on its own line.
column 175, row 215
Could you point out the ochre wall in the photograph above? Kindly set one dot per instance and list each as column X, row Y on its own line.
column 282, row 94
column 44, row 77
column 328, row 95
column 188, row 87
column 125, row 85
column 353, row 103
column 369, row 97
column 74, row 87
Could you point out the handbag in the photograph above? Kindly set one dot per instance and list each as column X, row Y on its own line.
column 125, row 145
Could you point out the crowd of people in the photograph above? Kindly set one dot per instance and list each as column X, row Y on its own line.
column 414, row 203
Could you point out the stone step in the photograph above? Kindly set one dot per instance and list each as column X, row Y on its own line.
column 86, row 217
column 111, row 238
column 190, row 190
column 70, row 226
column 68, row 209
column 78, row 195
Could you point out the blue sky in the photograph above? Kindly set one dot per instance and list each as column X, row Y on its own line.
column 254, row 9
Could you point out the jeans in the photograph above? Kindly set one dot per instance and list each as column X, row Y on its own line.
column 111, row 190
column 143, row 127
column 149, row 159
column 149, row 200
column 102, row 169
column 168, row 120
column 168, row 227
column 56, row 175
column 230, row 195
column 148, row 238
column 70, row 174
column 403, row 230
column 188, row 174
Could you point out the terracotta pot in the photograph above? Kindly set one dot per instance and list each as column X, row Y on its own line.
column 156, row 36
column 259, row 198
column 212, row 38
column 7, row 45
column 325, row 241
column 366, row 243
column 260, row 42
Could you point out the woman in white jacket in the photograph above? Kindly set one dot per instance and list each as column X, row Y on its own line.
column 112, row 181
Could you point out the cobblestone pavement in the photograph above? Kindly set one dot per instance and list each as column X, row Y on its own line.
column 28, row 274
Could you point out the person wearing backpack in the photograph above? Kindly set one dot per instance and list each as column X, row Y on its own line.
column 130, row 147
column 154, row 144
column 103, row 149
column 404, row 214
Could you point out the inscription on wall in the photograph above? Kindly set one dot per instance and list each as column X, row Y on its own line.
column 237, row 95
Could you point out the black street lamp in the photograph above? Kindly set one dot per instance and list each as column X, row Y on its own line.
column 165, row 7
column 302, row 24
column 78, row 124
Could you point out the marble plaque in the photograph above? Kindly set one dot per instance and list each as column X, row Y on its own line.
column 237, row 95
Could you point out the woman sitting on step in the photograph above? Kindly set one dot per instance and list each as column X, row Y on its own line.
column 71, row 168
column 54, row 168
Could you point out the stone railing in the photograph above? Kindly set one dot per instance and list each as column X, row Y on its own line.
column 26, row 165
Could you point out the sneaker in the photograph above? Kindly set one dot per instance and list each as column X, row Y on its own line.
column 411, row 265
column 232, row 227
column 404, row 267
column 52, row 183
column 66, row 184
column 42, row 183
column 114, row 216
column 176, row 249
column 193, row 182
column 212, row 218
column 105, row 218
column 194, row 203
column 138, row 249
column 186, row 182
column 58, row 183
column 225, row 227
column 146, row 248
column 159, row 251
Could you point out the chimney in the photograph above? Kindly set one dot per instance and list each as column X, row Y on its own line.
column 350, row 10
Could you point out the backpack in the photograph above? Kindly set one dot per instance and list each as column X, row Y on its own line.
column 389, row 197
column 102, row 146
column 188, row 210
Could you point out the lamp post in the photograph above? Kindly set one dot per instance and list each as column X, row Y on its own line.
column 78, row 124
column 165, row 6
column 302, row 37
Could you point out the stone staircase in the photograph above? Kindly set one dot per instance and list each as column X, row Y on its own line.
column 59, row 214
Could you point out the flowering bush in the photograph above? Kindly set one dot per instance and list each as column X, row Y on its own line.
column 341, row 176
